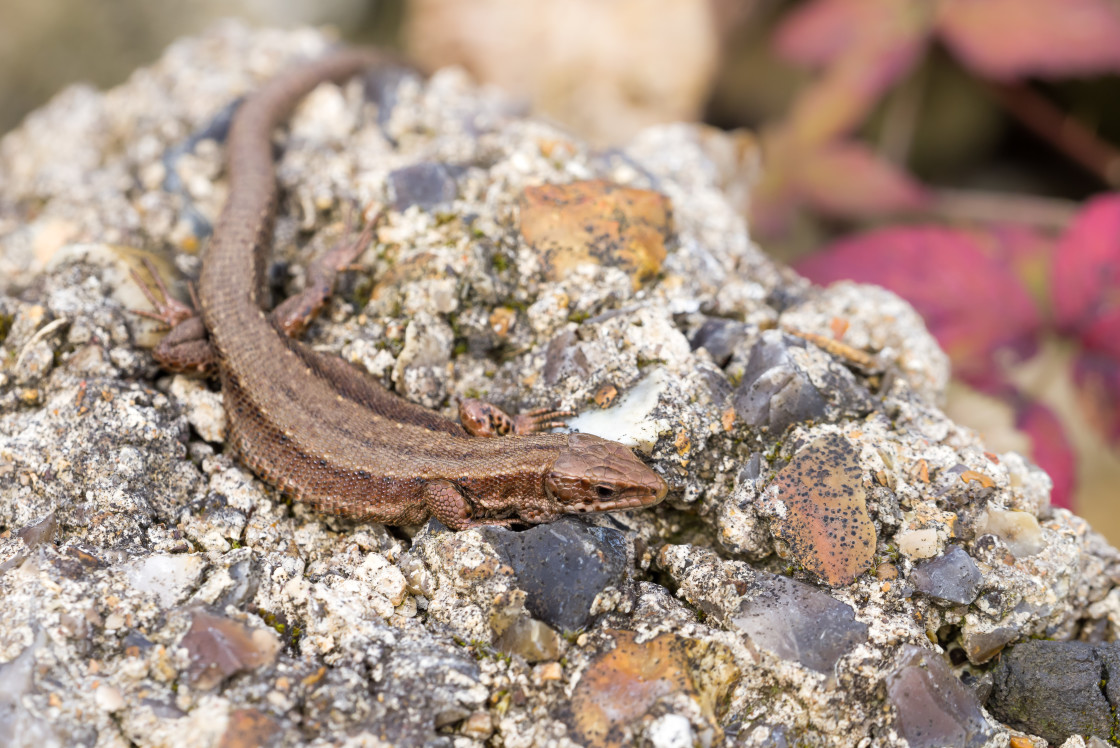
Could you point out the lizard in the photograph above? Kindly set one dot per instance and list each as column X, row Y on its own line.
column 322, row 431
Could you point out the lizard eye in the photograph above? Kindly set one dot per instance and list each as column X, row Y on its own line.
column 604, row 491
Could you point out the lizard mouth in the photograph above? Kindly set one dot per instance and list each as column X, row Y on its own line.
column 634, row 500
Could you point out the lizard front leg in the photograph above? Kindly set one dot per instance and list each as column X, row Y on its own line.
column 447, row 504
column 481, row 418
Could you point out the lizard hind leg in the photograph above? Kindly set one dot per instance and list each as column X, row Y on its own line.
column 186, row 348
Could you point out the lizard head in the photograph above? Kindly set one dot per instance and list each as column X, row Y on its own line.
column 597, row 475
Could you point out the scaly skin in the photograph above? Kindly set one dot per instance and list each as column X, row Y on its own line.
column 327, row 434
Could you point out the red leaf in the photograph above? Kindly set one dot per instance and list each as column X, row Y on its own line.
column 1098, row 388
column 839, row 101
column 970, row 298
column 1017, row 38
column 1050, row 448
column 1085, row 273
column 847, row 179
column 815, row 33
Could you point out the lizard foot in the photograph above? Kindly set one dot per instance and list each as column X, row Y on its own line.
column 295, row 313
column 169, row 311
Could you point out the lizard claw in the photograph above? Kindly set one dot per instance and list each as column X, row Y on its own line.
column 540, row 419
column 169, row 311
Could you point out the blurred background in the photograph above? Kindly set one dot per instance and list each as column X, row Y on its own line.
column 960, row 152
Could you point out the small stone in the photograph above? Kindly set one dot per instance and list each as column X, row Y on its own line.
column 248, row 728
column 533, row 640
column 564, row 358
column 631, row 420
column 952, row 577
column 719, row 337
column 202, row 406
column 1052, row 689
column 548, row 671
column 219, row 647
column 917, row 543
column 818, row 505
column 39, row 532
column 1018, row 530
column 562, row 566
column 425, row 185
column 108, row 698
column 479, row 726
column 671, row 731
column 620, row 686
column 778, row 390
column 933, row 708
column 798, row 622
column 981, row 646
column 596, row 222
column 168, row 578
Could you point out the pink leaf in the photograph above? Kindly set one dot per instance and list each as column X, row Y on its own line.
column 1049, row 447
column 815, row 33
column 970, row 298
column 1017, row 38
column 848, row 179
column 839, row 101
column 1085, row 274
column 1098, row 388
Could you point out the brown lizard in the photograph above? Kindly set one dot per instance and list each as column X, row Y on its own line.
column 322, row 431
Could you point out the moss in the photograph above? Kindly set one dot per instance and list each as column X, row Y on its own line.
column 578, row 317
column 500, row 262
column 6, row 321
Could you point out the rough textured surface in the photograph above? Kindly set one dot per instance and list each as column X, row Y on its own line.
column 952, row 577
column 1058, row 689
column 157, row 593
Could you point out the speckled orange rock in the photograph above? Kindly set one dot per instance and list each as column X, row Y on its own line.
column 599, row 222
column 819, row 507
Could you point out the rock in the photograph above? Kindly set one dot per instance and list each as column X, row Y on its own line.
column 818, row 504
column 798, row 622
column 719, row 337
column 631, row 420
column 176, row 599
column 952, row 577
column 1054, row 689
column 983, row 645
column 596, row 222
column 219, row 647
column 562, row 567
column 532, row 639
column 1019, row 530
column 623, row 684
column 425, row 185
column 933, row 709
column 784, row 384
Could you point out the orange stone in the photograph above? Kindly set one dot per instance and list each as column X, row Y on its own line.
column 623, row 685
column 820, row 509
column 597, row 222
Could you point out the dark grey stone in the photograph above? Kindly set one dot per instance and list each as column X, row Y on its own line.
column 776, row 392
column 719, row 336
column 952, row 577
column 1054, row 690
column 564, row 358
column 796, row 621
column 562, row 566
column 425, row 184
column 933, row 708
